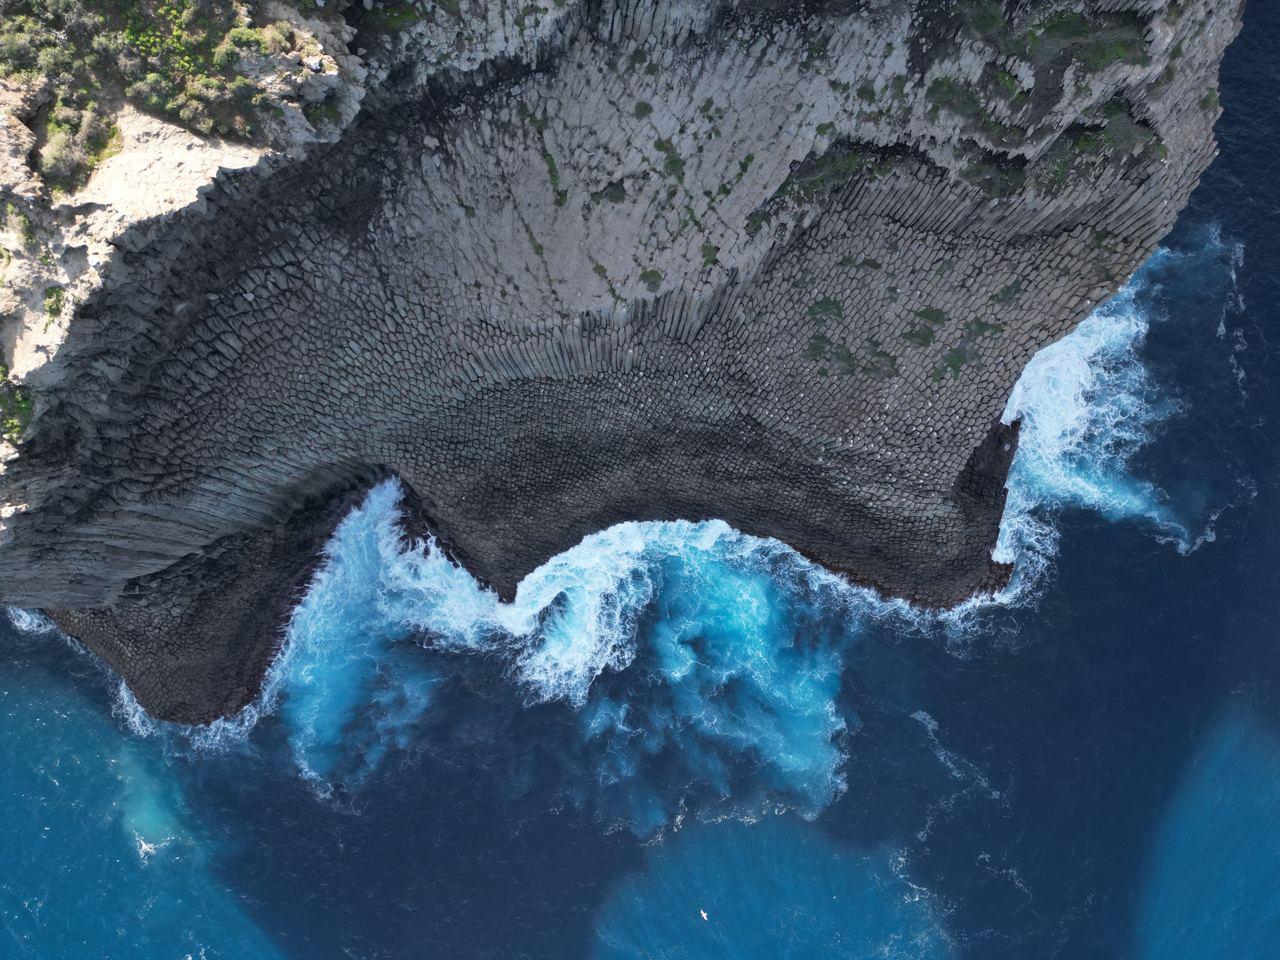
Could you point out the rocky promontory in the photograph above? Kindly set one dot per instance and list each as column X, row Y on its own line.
column 558, row 265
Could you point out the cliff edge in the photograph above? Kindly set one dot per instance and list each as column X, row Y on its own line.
column 559, row 265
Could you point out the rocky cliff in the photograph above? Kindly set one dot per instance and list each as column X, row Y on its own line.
column 565, row 264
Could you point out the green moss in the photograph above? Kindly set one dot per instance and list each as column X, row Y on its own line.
column 539, row 122
column 921, row 335
column 818, row 347
column 952, row 362
column 881, row 365
column 1210, row 101
column 985, row 17
column 995, row 176
column 756, row 220
column 956, row 96
column 710, row 254
column 980, row 328
column 643, row 109
column 553, row 174
column 821, row 176
column 652, row 279
column 1105, row 53
column 1007, row 84
column 615, row 192
column 672, row 162
column 1008, row 293
column 878, row 363
column 932, row 315
column 825, row 309
column 1096, row 42
column 16, row 219
column 537, row 248
column 1066, row 26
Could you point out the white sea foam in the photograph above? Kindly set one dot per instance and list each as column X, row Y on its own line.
column 733, row 644
column 30, row 621
column 710, row 605
column 1087, row 406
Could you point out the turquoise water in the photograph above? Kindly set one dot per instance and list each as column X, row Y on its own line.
column 1213, row 884
column 100, row 855
column 675, row 718
column 680, row 684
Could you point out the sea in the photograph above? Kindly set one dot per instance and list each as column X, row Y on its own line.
column 680, row 742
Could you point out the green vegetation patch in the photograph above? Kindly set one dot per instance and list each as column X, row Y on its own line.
column 54, row 298
column 826, row 308
column 985, row 17
column 872, row 361
column 179, row 59
column 615, row 192
column 819, row 177
column 1008, row 293
column 1095, row 42
column 672, row 162
column 932, row 315
column 553, row 174
column 16, row 407
column 981, row 328
column 956, row 96
column 953, row 362
column 921, row 335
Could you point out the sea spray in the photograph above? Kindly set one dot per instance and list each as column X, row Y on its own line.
column 688, row 652
column 1087, row 406
column 701, row 667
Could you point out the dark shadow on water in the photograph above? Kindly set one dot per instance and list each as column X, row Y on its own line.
column 461, row 848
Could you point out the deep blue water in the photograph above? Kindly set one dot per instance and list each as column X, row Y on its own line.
column 681, row 742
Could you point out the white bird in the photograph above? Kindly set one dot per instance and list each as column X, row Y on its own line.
column 704, row 914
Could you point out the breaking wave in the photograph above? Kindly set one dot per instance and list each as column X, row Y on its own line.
column 682, row 651
column 1087, row 406
column 700, row 667
column 679, row 668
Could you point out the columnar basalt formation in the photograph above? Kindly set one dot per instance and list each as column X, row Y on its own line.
column 581, row 263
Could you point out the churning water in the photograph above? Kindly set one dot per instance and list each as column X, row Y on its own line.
column 683, row 742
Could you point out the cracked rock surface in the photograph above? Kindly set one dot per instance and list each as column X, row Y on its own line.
column 605, row 261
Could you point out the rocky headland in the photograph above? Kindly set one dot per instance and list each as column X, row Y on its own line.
column 556, row 265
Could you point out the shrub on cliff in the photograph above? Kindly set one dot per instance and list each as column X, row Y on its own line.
column 182, row 59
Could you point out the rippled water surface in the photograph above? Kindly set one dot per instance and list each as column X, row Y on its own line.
column 682, row 742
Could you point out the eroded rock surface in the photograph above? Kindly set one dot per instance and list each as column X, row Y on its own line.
column 581, row 263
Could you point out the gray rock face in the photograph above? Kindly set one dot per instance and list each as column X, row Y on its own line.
column 614, row 261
